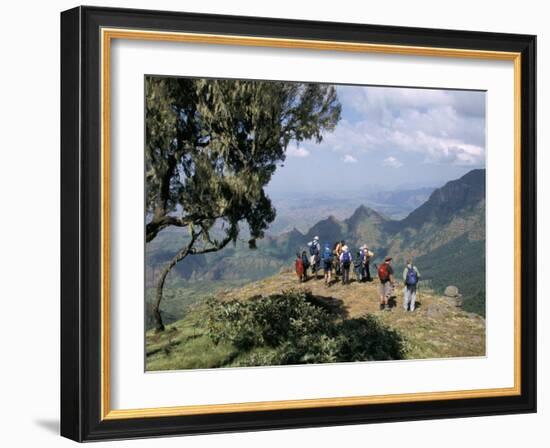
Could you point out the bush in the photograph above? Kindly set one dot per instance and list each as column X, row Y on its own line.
column 366, row 338
column 289, row 328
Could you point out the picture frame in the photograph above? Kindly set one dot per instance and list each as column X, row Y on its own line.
column 86, row 37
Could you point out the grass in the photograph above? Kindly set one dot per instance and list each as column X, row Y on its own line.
column 184, row 345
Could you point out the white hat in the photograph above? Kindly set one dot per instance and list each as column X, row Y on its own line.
column 316, row 238
column 345, row 248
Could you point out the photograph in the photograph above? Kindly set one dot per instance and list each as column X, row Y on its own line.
column 293, row 223
column 276, row 223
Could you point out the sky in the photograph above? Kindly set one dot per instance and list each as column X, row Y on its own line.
column 390, row 138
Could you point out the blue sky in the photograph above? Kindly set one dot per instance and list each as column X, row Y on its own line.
column 388, row 138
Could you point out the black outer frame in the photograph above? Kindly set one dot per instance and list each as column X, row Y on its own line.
column 80, row 223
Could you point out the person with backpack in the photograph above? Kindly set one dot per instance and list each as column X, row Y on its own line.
column 326, row 259
column 367, row 257
column 385, row 275
column 337, row 252
column 299, row 264
column 314, row 251
column 336, row 259
column 305, row 262
column 359, row 266
column 345, row 264
column 410, row 279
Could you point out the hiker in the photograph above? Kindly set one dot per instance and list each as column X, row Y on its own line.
column 359, row 266
column 367, row 257
column 340, row 247
column 335, row 260
column 337, row 253
column 326, row 259
column 345, row 264
column 314, row 250
column 305, row 262
column 361, row 255
column 385, row 275
column 410, row 279
column 299, row 267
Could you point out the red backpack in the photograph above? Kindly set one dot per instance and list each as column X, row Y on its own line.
column 299, row 266
column 383, row 273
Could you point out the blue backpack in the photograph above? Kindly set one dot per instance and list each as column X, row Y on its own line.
column 346, row 259
column 412, row 277
column 327, row 254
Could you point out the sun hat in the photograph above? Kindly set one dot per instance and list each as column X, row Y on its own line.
column 388, row 258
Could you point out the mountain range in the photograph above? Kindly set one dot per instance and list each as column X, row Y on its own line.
column 445, row 236
column 313, row 207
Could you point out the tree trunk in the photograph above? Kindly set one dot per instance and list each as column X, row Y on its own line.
column 159, row 325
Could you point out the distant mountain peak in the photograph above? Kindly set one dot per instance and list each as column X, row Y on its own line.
column 363, row 212
column 294, row 231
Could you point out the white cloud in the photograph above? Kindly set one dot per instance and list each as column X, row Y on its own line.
column 442, row 126
column 348, row 158
column 297, row 151
column 392, row 162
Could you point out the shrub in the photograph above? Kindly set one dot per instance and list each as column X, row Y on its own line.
column 289, row 328
column 366, row 338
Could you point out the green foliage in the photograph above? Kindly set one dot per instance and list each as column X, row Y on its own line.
column 213, row 145
column 270, row 321
column 366, row 338
column 289, row 328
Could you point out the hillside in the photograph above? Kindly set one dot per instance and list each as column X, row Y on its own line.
column 437, row 329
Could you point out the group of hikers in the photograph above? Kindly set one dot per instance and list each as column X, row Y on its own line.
column 337, row 258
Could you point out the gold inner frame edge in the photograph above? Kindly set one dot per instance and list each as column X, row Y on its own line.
column 107, row 35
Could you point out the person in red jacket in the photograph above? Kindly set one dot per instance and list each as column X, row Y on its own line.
column 385, row 275
column 299, row 267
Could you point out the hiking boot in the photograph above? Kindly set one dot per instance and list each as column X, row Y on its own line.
column 382, row 307
column 387, row 307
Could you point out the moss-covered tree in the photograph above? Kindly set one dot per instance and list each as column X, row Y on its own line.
column 211, row 148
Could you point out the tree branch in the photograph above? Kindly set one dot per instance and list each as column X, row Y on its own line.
column 215, row 245
column 156, row 225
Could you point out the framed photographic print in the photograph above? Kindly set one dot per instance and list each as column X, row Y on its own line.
column 273, row 223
